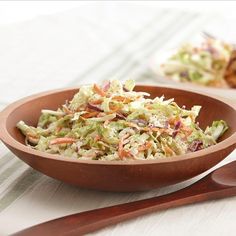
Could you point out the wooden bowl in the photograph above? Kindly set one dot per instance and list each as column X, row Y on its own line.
column 119, row 175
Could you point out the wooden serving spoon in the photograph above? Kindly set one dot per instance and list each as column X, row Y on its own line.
column 220, row 183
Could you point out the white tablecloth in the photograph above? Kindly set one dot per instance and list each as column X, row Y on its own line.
column 85, row 45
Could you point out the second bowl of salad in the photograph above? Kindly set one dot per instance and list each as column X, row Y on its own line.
column 208, row 65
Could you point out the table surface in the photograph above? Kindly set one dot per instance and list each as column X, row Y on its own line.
column 85, row 45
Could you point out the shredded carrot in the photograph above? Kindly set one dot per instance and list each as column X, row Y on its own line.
column 127, row 154
column 90, row 114
column 145, row 129
column 121, row 152
column 33, row 139
column 118, row 98
column 149, row 106
column 121, row 99
column 88, row 109
column 98, row 90
column 173, row 120
column 161, row 130
column 187, row 131
column 168, row 151
column 96, row 102
column 114, row 107
column 145, row 146
column 127, row 100
column 31, row 135
column 62, row 140
column 156, row 129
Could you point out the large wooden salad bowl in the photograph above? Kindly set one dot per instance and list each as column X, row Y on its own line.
column 120, row 175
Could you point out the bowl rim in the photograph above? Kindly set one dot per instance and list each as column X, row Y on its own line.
column 8, row 140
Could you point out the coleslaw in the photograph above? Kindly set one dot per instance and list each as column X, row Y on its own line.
column 203, row 65
column 114, row 122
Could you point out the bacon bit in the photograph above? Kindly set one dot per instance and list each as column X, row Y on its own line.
column 145, row 146
column 62, row 141
column 121, row 152
column 90, row 114
column 98, row 90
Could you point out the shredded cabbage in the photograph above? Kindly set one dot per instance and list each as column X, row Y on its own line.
column 117, row 123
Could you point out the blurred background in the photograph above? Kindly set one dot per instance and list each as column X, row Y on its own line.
column 50, row 44
column 15, row 11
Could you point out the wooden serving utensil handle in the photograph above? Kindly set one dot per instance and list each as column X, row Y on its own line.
column 85, row 222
